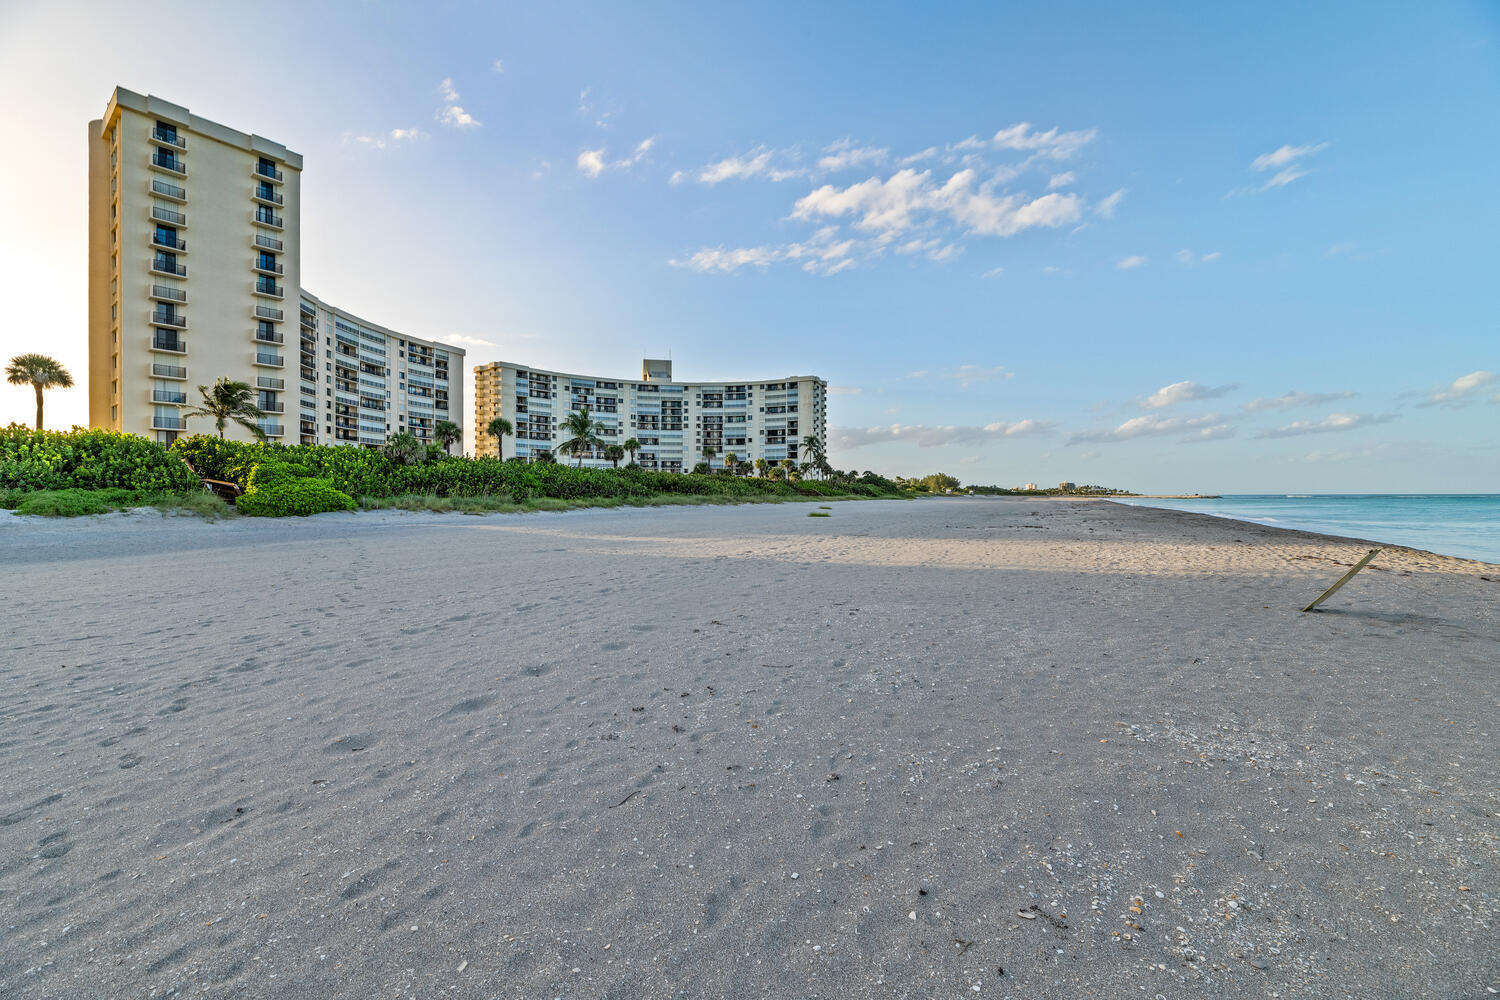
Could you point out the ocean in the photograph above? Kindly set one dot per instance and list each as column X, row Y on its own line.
column 1466, row 525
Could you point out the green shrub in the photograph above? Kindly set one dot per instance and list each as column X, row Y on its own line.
column 285, row 489
column 89, row 460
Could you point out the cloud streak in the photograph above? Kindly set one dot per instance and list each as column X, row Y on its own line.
column 1330, row 423
column 924, row 436
column 1293, row 400
column 1184, row 392
column 1208, row 427
column 452, row 113
column 1462, row 389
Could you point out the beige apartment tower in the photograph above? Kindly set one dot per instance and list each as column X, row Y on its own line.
column 194, row 275
column 673, row 421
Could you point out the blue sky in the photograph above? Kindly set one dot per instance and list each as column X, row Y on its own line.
column 1228, row 248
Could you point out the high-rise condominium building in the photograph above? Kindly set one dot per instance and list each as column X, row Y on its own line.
column 193, row 222
column 673, row 421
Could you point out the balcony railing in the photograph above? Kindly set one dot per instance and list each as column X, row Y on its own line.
column 169, row 138
column 168, row 396
column 163, row 266
column 265, row 217
column 166, row 161
column 268, row 196
column 268, row 266
column 175, row 345
column 160, row 317
column 173, row 244
column 270, row 360
column 162, row 423
column 268, row 287
column 268, row 312
column 269, row 338
column 168, row 216
column 271, row 407
column 267, row 382
column 269, row 242
column 168, row 190
column 168, row 292
column 272, row 430
column 262, row 170
column 168, row 371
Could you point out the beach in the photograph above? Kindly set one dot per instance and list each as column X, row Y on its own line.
column 937, row 748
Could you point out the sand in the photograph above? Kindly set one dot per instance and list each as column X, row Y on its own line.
column 741, row 752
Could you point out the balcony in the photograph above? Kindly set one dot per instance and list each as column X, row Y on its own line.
column 270, row 173
column 163, row 423
column 168, row 293
column 268, row 312
column 267, row 197
column 266, row 217
column 169, row 163
column 269, row 360
column 160, row 265
column 168, row 371
column 170, row 345
column 168, row 396
column 160, row 317
column 265, row 242
column 166, row 189
column 171, row 245
column 167, row 215
column 162, row 137
column 271, row 407
column 272, row 430
column 267, row 382
column 261, row 336
column 266, row 267
column 269, row 288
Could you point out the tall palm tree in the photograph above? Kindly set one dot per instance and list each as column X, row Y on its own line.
column 760, row 466
column 614, row 453
column 41, row 372
column 229, row 400
column 731, row 461
column 709, row 452
column 498, row 429
column 585, row 434
column 812, row 448
column 787, row 465
column 632, row 446
column 445, row 432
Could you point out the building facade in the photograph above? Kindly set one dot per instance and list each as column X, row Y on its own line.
column 194, row 275
column 673, row 421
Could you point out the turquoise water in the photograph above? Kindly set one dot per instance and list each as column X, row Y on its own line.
column 1466, row 525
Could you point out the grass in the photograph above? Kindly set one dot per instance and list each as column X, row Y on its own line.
column 818, row 513
column 83, row 503
column 505, row 505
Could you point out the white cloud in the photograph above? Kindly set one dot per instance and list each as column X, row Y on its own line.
column 1130, row 263
column 1061, row 180
column 1284, row 177
column 464, row 339
column 844, row 154
column 1188, row 258
column 822, row 254
column 844, row 390
column 1202, row 428
column 498, row 66
column 1184, row 392
column 384, row 140
column 1052, row 143
column 1292, row 400
column 592, row 162
column 924, row 436
column 759, row 162
column 908, row 198
column 452, row 113
column 1284, row 157
column 1462, row 387
column 1332, row 422
column 1105, row 209
column 994, row 272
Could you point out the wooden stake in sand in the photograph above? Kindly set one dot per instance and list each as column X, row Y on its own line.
column 1344, row 579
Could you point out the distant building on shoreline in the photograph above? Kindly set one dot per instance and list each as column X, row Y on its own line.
column 673, row 421
column 189, row 219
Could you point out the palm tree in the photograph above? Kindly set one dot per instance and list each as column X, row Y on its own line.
column 614, row 453
column 731, row 461
column 445, row 432
column 498, row 429
column 760, row 466
column 41, row 372
column 709, row 452
column 229, row 400
column 787, row 465
column 585, row 430
column 632, row 446
column 405, row 449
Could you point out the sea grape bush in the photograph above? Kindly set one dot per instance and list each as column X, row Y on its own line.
column 285, row 489
column 90, row 460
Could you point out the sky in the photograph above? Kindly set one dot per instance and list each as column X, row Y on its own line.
column 1225, row 248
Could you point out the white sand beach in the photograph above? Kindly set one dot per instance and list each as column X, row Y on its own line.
column 942, row 748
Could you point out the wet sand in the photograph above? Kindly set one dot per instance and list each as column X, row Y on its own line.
column 738, row 751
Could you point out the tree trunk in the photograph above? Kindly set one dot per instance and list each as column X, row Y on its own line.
column 38, row 387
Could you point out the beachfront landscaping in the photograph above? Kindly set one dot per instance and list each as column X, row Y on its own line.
column 104, row 470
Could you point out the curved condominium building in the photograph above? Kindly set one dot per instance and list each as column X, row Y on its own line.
column 673, row 421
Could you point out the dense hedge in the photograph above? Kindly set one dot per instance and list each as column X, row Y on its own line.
column 89, row 460
column 366, row 472
column 283, row 489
